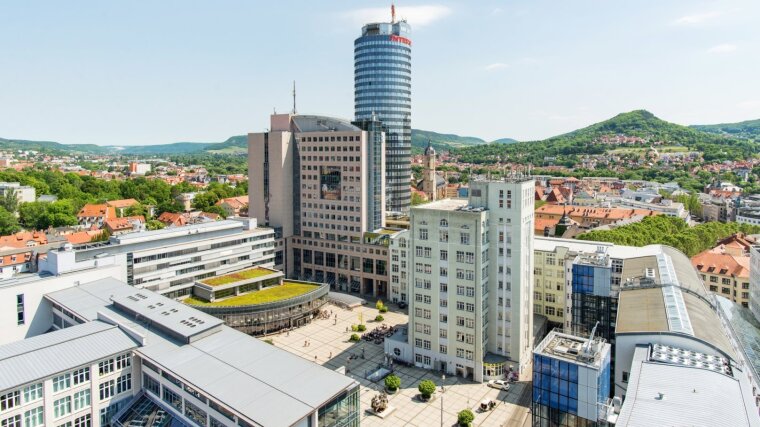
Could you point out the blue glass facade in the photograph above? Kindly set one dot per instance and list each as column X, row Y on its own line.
column 593, row 301
column 383, row 88
column 583, row 279
column 562, row 395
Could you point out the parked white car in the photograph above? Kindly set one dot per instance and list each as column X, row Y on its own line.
column 499, row 384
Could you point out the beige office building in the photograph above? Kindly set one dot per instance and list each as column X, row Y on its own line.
column 466, row 268
column 322, row 190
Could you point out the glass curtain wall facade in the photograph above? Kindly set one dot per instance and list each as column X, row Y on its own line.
column 383, row 88
column 373, row 202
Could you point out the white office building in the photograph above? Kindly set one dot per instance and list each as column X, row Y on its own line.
column 169, row 261
column 124, row 356
column 469, row 269
column 24, row 193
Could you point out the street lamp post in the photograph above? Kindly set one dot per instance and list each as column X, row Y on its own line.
column 443, row 379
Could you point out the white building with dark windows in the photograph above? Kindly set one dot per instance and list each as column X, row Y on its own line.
column 468, row 270
column 118, row 355
column 171, row 260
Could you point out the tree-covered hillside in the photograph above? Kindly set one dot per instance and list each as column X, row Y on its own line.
column 567, row 148
column 749, row 129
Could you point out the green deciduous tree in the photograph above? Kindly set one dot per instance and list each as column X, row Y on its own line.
column 8, row 222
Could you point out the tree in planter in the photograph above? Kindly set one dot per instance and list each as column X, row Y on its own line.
column 465, row 417
column 392, row 382
column 426, row 388
column 379, row 305
column 379, row 318
column 361, row 328
column 383, row 309
column 354, row 338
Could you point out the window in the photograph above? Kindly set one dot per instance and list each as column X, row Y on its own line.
column 66, row 424
column 151, row 384
column 195, row 413
column 123, row 361
column 124, row 383
column 464, row 238
column 32, row 393
column 444, row 255
column 172, row 398
column 10, row 400
column 33, row 417
column 62, row 407
column 61, row 382
column 106, row 389
column 83, row 421
column 82, row 399
column 625, row 376
column 105, row 367
column 81, row 376
column 20, row 320
column 107, row 413
column 14, row 421
column 423, row 234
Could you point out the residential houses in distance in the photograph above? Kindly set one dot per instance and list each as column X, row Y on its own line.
column 234, row 206
column 725, row 268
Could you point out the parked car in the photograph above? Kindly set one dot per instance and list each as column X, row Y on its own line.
column 499, row 384
column 401, row 304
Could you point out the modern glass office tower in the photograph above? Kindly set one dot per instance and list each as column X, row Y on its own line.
column 383, row 86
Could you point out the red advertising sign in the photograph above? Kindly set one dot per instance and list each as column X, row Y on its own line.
column 401, row 39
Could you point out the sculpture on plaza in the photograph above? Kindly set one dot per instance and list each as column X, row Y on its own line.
column 380, row 403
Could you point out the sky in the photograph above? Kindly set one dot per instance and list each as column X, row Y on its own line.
column 154, row 72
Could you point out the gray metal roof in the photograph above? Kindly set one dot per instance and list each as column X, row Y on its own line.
column 229, row 362
column 172, row 317
column 45, row 355
column 88, row 298
column 690, row 396
column 323, row 124
column 248, row 375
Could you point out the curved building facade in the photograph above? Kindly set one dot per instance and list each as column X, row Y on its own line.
column 383, row 89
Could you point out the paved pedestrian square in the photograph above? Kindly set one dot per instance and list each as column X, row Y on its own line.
column 326, row 341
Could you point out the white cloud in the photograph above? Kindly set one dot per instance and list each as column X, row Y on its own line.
column 496, row 66
column 417, row 16
column 723, row 48
column 697, row 19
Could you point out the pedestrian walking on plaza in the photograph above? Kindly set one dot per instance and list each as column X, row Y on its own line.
column 304, row 343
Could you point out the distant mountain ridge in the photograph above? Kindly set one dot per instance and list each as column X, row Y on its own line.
column 748, row 129
column 237, row 144
column 640, row 123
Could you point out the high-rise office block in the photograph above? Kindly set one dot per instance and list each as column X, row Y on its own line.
column 323, row 192
column 383, row 87
column 469, row 268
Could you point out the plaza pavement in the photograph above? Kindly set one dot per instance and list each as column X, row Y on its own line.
column 325, row 337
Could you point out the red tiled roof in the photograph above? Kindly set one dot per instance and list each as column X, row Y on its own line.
column 123, row 203
column 20, row 239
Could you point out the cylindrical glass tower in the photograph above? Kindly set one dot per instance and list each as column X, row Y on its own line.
column 383, row 86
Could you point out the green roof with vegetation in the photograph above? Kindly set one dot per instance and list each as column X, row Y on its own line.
column 271, row 294
column 238, row 276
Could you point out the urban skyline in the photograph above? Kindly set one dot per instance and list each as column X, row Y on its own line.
column 98, row 73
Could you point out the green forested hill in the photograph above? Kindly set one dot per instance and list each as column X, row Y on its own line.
column 749, row 129
column 568, row 147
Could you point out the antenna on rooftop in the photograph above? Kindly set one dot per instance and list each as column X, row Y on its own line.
column 393, row 13
column 294, row 97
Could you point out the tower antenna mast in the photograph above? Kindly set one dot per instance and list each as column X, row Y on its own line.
column 393, row 13
column 294, row 97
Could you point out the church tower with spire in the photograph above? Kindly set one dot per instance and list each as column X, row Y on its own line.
column 429, row 179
